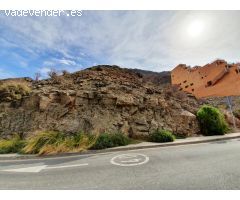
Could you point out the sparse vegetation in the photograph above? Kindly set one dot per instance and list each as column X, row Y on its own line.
column 52, row 73
column 39, row 142
column 106, row 140
column 222, row 107
column 13, row 145
column 237, row 113
column 162, row 136
column 80, row 141
column 212, row 121
column 14, row 90
column 52, row 142
column 174, row 91
column 65, row 73
column 37, row 76
column 180, row 136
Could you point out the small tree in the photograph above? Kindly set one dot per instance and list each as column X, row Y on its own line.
column 37, row 76
column 65, row 72
column 52, row 73
column 212, row 121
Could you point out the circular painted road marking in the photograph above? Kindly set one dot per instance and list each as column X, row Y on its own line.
column 132, row 159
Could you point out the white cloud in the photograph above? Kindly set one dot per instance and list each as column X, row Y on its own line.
column 5, row 74
column 49, row 63
column 44, row 71
column 66, row 62
column 152, row 40
column 56, row 62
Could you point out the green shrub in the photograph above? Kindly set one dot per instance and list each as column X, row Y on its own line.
column 162, row 136
column 119, row 139
column 103, row 141
column 13, row 145
column 106, row 140
column 212, row 121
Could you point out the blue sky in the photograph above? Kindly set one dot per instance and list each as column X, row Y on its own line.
column 151, row 40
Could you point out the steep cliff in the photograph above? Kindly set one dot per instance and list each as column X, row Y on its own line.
column 98, row 99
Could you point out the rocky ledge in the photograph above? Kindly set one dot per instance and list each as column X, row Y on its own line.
column 98, row 99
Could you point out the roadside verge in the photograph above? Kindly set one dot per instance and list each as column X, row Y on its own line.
column 142, row 145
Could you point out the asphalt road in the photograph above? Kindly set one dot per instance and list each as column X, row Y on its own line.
column 201, row 166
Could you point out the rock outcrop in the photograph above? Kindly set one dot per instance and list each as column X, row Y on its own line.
column 98, row 99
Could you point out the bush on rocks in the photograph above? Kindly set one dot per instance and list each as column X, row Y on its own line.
column 106, row 140
column 212, row 121
column 162, row 136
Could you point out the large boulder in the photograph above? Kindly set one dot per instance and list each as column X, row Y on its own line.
column 186, row 124
column 229, row 118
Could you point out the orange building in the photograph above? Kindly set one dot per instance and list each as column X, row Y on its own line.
column 218, row 79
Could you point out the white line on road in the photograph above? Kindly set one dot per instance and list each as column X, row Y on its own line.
column 113, row 152
column 67, row 166
column 34, row 169
column 107, row 153
column 39, row 168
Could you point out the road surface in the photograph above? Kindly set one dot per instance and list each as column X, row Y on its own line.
column 213, row 165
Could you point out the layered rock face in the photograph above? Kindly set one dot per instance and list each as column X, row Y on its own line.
column 99, row 99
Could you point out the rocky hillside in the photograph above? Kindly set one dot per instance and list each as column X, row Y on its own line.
column 98, row 99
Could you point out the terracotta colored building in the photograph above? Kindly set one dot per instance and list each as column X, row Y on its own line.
column 218, row 79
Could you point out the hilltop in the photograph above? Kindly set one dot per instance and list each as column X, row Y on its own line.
column 98, row 99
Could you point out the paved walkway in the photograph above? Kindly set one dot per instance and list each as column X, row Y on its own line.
column 189, row 140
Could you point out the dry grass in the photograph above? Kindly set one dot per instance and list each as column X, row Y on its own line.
column 52, row 142
column 14, row 90
column 37, row 142
column 13, row 145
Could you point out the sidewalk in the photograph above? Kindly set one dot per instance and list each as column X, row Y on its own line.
column 142, row 145
column 189, row 140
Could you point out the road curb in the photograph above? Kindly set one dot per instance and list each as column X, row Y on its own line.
column 170, row 144
column 181, row 142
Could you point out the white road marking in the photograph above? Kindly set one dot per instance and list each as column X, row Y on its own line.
column 67, row 166
column 39, row 168
column 130, row 159
column 107, row 153
column 34, row 169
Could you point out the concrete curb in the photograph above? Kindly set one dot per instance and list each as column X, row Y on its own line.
column 193, row 140
column 177, row 143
